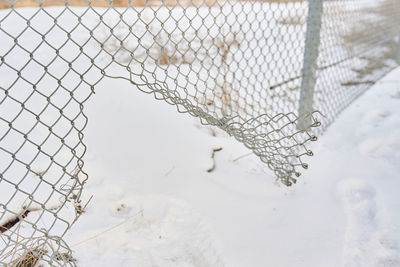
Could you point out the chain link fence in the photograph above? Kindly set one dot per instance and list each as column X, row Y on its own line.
column 359, row 42
column 255, row 69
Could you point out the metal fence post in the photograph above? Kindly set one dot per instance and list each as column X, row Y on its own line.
column 398, row 50
column 310, row 64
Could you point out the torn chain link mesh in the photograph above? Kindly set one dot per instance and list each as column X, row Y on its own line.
column 236, row 65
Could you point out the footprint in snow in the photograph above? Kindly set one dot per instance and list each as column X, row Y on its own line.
column 367, row 243
column 155, row 230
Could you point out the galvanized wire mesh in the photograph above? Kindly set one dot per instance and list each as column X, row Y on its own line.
column 236, row 65
column 358, row 46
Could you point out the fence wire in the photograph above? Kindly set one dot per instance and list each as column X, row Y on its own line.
column 236, row 65
column 358, row 47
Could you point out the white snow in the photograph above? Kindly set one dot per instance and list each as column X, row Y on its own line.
column 148, row 166
column 155, row 204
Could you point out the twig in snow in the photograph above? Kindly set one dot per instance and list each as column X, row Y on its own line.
column 13, row 221
column 242, row 156
column 212, row 157
column 16, row 219
column 80, row 210
column 108, row 229
column 169, row 171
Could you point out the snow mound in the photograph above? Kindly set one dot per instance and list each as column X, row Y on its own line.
column 367, row 241
column 167, row 232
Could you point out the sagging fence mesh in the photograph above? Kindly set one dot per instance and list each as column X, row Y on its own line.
column 257, row 70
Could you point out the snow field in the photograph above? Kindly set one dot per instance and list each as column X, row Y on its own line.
column 155, row 204
column 343, row 212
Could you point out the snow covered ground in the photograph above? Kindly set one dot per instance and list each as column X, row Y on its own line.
column 155, row 202
column 148, row 177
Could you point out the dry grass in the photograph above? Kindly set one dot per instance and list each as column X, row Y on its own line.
column 125, row 3
column 30, row 258
column 293, row 20
column 30, row 251
column 224, row 49
column 104, row 3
